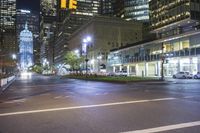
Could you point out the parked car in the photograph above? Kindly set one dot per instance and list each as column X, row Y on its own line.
column 122, row 73
column 197, row 76
column 111, row 74
column 183, row 75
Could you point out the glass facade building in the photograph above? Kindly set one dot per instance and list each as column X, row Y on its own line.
column 177, row 26
column 136, row 10
column 32, row 18
column 86, row 9
column 170, row 18
column 8, row 44
column 181, row 54
column 7, row 25
column 26, row 49
column 106, row 7
column 126, row 9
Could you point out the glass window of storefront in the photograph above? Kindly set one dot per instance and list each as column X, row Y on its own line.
column 176, row 46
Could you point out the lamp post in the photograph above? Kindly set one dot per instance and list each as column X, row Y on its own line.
column 1, row 49
column 86, row 42
column 162, row 63
column 99, row 58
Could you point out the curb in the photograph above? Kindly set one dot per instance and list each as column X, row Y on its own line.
column 119, row 82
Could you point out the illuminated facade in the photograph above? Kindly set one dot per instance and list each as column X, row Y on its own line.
column 32, row 18
column 177, row 26
column 170, row 18
column 181, row 54
column 8, row 44
column 126, row 9
column 106, row 7
column 26, row 49
column 136, row 10
column 48, row 7
column 7, row 26
column 86, row 9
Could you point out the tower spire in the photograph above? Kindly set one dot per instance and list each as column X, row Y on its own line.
column 26, row 26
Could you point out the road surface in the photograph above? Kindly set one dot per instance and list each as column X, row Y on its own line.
column 42, row 104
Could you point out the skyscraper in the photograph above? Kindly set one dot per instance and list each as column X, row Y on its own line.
column 126, row 9
column 169, row 18
column 106, row 7
column 71, row 21
column 7, row 32
column 48, row 18
column 32, row 19
column 136, row 10
column 26, row 49
column 7, row 24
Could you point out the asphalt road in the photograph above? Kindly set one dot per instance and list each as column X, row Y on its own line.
column 52, row 105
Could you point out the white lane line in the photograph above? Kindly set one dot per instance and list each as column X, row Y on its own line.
column 189, row 97
column 84, row 106
column 34, row 86
column 57, row 97
column 15, row 101
column 166, row 128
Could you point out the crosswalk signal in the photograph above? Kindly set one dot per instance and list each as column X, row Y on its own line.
column 72, row 4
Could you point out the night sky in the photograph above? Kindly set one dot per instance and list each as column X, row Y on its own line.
column 33, row 5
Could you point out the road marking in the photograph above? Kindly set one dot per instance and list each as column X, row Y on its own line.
column 34, row 86
column 166, row 128
column 67, row 96
column 84, row 106
column 57, row 97
column 189, row 97
column 15, row 101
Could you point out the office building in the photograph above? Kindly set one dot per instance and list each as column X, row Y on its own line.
column 8, row 44
column 106, row 33
column 136, row 10
column 176, row 24
column 32, row 19
column 74, row 20
column 106, row 7
column 48, row 18
column 127, row 9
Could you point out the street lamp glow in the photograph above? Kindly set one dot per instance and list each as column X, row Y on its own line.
column 92, row 61
column 85, row 40
column 14, row 56
column 76, row 51
column 89, row 39
column 99, row 57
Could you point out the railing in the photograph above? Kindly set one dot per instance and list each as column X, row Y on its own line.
column 5, row 81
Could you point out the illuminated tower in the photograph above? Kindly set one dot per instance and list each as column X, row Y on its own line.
column 26, row 49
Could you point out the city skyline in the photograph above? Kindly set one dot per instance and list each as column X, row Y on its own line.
column 99, row 66
column 26, row 4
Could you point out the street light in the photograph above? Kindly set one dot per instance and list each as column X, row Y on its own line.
column 86, row 42
column 14, row 56
column 77, row 52
column 162, row 63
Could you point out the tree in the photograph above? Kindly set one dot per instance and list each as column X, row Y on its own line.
column 37, row 68
column 72, row 59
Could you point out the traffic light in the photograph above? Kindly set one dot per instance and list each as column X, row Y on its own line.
column 72, row 4
column 63, row 4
